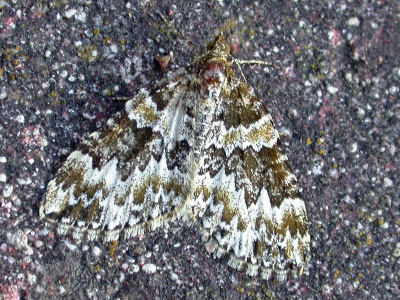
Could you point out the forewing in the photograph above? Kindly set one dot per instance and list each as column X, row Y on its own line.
column 246, row 197
column 131, row 175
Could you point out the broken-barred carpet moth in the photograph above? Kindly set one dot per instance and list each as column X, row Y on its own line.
column 198, row 146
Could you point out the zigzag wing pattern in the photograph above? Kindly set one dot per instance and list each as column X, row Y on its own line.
column 199, row 146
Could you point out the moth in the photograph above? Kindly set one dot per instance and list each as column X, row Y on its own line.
column 197, row 146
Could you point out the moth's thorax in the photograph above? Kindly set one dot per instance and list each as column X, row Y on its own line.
column 213, row 74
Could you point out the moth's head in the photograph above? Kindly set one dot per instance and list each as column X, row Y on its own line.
column 217, row 57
